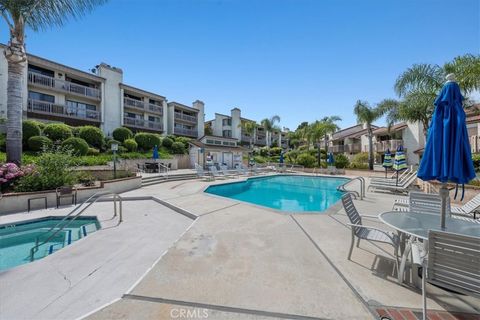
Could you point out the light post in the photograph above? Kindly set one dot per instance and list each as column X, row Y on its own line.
column 114, row 147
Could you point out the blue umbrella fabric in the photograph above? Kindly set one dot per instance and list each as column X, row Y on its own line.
column 155, row 152
column 330, row 159
column 447, row 156
column 281, row 158
column 399, row 162
column 387, row 161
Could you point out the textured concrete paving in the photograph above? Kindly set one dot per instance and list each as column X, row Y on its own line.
column 93, row 271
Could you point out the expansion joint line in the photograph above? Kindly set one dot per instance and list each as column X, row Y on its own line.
column 330, row 262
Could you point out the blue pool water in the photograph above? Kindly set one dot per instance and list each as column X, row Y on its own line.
column 17, row 239
column 285, row 193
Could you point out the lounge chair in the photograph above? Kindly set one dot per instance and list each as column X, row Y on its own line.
column 405, row 187
column 215, row 173
column 394, row 182
column 393, row 177
column 228, row 173
column 452, row 263
column 241, row 170
column 365, row 232
column 201, row 173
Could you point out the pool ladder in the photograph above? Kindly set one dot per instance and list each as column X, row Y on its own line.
column 92, row 199
column 355, row 193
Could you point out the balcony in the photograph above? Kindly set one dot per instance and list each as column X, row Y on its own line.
column 185, row 117
column 185, row 132
column 143, row 124
column 63, row 86
column 246, row 138
column 261, row 142
column 382, row 146
column 53, row 109
column 347, row 148
column 141, row 105
column 475, row 144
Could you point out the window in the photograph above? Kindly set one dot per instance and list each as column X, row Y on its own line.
column 82, row 83
column 153, row 119
column 42, row 71
column 155, row 102
column 81, row 109
column 227, row 122
column 41, row 96
column 133, row 115
column 227, row 133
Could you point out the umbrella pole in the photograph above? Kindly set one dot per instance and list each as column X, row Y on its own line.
column 444, row 194
column 385, row 172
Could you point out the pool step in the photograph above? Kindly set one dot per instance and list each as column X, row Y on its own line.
column 148, row 181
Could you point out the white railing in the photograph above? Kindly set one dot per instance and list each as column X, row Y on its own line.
column 62, row 85
column 475, row 143
column 185, row 132
column 186, row 117
column 43, row 107
column 142, row 123
column 382, row 146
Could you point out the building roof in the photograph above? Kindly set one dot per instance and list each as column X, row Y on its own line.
column 128, row 87
column 351, row 132
column 177, row 104
column 473, row 114
column 200, row 144
column 384, row 130
column 218, row 137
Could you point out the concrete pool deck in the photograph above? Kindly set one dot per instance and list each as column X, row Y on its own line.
column 238, row 261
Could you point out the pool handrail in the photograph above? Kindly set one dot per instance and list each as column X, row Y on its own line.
column 97, row 196
column 362, row 187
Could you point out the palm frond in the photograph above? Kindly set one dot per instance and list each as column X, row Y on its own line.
column 420, row 77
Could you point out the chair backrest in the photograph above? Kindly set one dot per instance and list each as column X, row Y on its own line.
column 351, row 211
column 65, row 190
column 454, row 262
column 472, row 205
column 213, row 170
column 426, row 202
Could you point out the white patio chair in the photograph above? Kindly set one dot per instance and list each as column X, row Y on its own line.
column 469, row 209
column 453, row 263
column 201, row 173
column 426, row 202
column 405, row 187
column 394, row 182
column 228, row 173
column 393, row 177
column 215, row 173
column 362, row 232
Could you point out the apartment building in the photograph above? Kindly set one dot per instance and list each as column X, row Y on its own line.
column 353, row 140
column 230, row 126
column 473, row 127
column 54, row 92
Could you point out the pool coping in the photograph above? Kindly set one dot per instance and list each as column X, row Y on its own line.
column 330, row 210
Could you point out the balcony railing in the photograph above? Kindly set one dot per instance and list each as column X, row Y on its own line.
column 348, row 148
column 185, row 132
column 382, row 146
column 246, row 138
column 47, row 108
column 142, row 123
column 62, row 85
column 141, row 105
column 185, row 117
column 261, row 142
column 475, row 144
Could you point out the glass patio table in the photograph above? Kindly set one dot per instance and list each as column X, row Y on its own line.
column 418, row 224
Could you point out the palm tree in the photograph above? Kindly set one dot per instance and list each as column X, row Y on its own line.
column 270, row 124
column 317, row 131
column 367, row 115
column 249, row 128
column 38, row 15
column 330, row 127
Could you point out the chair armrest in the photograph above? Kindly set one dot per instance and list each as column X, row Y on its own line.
column 368, row 216
column 392, row 236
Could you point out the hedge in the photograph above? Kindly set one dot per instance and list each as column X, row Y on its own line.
column 178, row 148
column 306, row 160
column 30, row 129
column 167, row 142
column 146, row 141
column 57, row 131
column 121, row 134
column 78, row 146
column 130, row 144
column 92, row 135
column 39, row 143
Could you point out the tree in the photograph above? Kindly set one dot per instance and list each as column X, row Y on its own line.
column 270, row 124
column 330, row 127
column 38, row 15
column 317, row 131
column 367, row 115
column 249, row 128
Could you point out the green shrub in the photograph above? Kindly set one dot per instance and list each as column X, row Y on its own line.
column 78, row 146
column 30, row 129
column 57, row 132
column 259, row 159
column 146, row 141
column 291, row 156
column 122, row 149
column 121, row 134
column 356, row 165
column 183, row 140
column 52, row 171
column 112, row 141
column 130, row 144
column 306, row 160
column 92, row 135
column 178, row 148
column 302, row 148
column 3, row 142
column 76, row 131
column 341, row 161
column 275, row 151
column 41, row 125
column 86, row 179
column 167, row 142
column 361, row 157
column 39, row 143
column 264, row 151
column 93, row 152
column 476, row 161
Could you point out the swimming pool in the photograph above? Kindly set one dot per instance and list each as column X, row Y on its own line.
column 17, row 239
column 287, row 193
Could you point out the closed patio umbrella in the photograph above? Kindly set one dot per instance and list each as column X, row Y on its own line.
column 281, row 160
column 447, row 156
column 399, row 162
column 155, row 152
column 330, row 159
column 387, row 161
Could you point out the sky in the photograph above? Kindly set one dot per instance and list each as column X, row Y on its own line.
column 299, row 59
